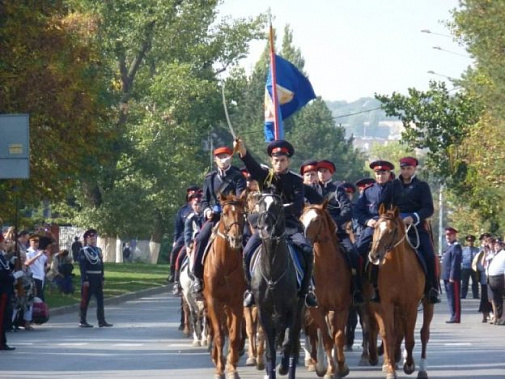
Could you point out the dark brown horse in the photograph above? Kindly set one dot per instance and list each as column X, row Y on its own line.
column 401, row 285
column 224, row 285
column 332, row 276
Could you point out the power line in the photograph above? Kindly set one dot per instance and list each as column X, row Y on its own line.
column 355, row 113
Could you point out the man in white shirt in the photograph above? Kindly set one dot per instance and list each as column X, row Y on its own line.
column 37, row 260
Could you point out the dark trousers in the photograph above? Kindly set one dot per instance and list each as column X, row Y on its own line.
column 5, row 316
column 201, row 241
column 179, row 243
column 466, row 274
column 95, row 289
column 352, row 322
column 364, row 242
column 496, row 284
column 39, row 286
column 452, row 291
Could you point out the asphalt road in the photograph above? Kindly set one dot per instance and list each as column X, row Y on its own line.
column 145, row 342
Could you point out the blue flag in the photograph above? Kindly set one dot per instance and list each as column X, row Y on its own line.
column 293, row 92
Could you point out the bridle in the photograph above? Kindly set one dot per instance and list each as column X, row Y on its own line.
column 267, row 215
column 393, row 241
column 320, row 221
column 227, row 227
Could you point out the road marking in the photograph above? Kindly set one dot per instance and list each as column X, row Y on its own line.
column 73, row 344
column 128, row 344
column 458, row 344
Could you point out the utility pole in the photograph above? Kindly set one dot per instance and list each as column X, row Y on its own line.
column 440, row 218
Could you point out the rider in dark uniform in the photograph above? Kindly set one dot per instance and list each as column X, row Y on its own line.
column 366, row 212
column 6, row 293
column 311, row 187
column 293, row 197
column 415, row 203
column 192, row 226
column 180, row 219
column 340, row 209
column 225, row 180
column 92, row 279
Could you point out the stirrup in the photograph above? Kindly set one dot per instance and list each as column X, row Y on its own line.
column 375, row 296
column 197, row 287
column 311, row 300
column 357, row 298
column 177, row 289
column 434, row 296
column 248, row 299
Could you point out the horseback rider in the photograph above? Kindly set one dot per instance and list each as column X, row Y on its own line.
column 180, row 219
column 311, row 187
column 292, row 194
column 366, row 212
column 225, row 180
column 340, row 209
column 415, row 203
column 192, row 226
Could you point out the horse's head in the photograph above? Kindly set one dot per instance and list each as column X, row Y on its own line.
column 271, row 221
column 314, row 218
column 389, row 232
column 233, row 218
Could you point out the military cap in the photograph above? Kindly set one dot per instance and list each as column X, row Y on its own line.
column 409, row 161
column 308, row 165
column 470, row 238
column 349, row 187
column 450, row 230
column 484, row 235
column 195, row 195
column 191, row 190
column 280, row 147
column 223, row 150
column 326, row 164
column 364, row 183
column 381, row 165
column 89, row 233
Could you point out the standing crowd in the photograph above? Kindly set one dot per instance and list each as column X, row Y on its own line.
column 29, row 264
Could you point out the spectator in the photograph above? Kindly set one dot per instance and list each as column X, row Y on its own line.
column 468, row 254
column 92, row 279
column 36, row 259
column 76, row 247
column 60, row 273
column 478, row 267
column 451, row 274
column 496, row 272
column 127, row 253
column 6, row 292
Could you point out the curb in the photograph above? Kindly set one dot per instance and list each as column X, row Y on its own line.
column 74, row 308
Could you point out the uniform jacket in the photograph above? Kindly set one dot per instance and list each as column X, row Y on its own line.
column 229, row 181
column 413, row 199
column 312, row 195
column 339, row 205
column 367, row 206
column 180, row 219
column 290, row 184
column 192, row 226
column 90, row 259
column 6, row 277
column 468, row 253
column 451, row 262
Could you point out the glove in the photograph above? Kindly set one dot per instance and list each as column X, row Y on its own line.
column 18, row 274
column 13, row 260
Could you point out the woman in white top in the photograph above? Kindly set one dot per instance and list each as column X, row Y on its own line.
column 496, row 280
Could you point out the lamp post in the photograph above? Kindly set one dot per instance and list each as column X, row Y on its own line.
column 436, row 73
column 437, row 34
column 451, row 52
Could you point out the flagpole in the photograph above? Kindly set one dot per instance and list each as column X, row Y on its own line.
column 274, row 83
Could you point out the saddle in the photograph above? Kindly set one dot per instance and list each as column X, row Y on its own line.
column 212, row 237
column 295, row 256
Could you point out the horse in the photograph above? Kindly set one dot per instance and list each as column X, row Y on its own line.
column 274, row 286
column 224, row 285
column 196, row 309
column 401, row 283
column 332, row 270
column 256, row 338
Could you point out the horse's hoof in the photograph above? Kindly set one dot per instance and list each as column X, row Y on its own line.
column 391, row 376
column 422, row 375
column 373, row 362
column 232, row 375
column 250, row 362
column 260, row 366
column 311, row 367
column 219, row 376
column 196, row 343
column 329, row 376
column 186, row 334
column 282, row 370
column 385, row 367
column 343, row 372
column 363, row 362
column 307, row 362
column 241, row 352
column 320, row 369
column 409, row 369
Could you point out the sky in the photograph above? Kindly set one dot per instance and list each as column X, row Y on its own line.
column 355, row 48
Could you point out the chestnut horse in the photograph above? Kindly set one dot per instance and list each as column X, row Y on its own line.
column 224, row 285
column 401, row 285
column 332, row 276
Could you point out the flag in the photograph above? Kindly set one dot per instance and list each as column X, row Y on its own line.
column 293, row 90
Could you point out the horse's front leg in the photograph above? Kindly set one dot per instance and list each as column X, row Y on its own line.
column 234, row 323
column 218, row 337
column 269, row 331
column 385, row 318
column 428, row 310
column 409, row 321
column 251, row 335
column 340, row 322
column 318, row 316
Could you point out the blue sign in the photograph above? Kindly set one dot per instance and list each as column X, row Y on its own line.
column 14, row 146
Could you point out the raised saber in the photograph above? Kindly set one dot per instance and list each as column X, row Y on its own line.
column 226, row 113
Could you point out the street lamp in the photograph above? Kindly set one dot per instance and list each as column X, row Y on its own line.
column 436, row 73
column 437, row 34
column 451, row 52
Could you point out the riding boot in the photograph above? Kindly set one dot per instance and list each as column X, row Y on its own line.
column 434, row 294
column 177, row 290
column 305, row 288
column 374, row 277
column 357, row 288
column 197, row 286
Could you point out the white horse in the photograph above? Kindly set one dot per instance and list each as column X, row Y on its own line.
column 197, row 316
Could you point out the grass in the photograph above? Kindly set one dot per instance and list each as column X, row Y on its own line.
column 120, row 278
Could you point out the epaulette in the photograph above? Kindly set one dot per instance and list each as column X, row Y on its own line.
column 211, row 173
column 262, row 165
